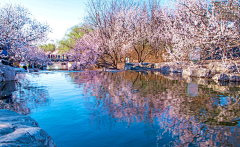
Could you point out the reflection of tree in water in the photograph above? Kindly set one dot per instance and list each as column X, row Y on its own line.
column 24, row 95
column 208, row 119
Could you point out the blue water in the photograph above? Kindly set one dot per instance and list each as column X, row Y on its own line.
column 67, row 119
column 127, row 109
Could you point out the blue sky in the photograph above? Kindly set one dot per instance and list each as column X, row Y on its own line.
column 59, row 14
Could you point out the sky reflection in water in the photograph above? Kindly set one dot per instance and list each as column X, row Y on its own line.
column 129, row 109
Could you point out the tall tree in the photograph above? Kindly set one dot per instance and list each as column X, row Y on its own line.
column 19, row 30
column 109, row 18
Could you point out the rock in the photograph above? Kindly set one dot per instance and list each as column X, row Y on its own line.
column 18, row 70
column 221, row 77
column 138, row 66
column 129, row 66
column 190, row 72
column 196, row 72
column 30, row 70
column 176, row 69
column 234, row 78
column 7, row 88
column 20, row 130
column 8, row 73
column 35, row 70
column 1, row 76
column 167, row 67
column 150, row 65
column 203, row 72
column 158, row 65
column 188, row 79
column 223, row 67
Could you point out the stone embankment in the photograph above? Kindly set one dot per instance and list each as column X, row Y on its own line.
column 8, row 73
column 20, row 130
column 218, row 71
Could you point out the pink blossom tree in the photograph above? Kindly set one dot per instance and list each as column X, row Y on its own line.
column 87, row 50
column 36, row 56
column 19, row 30
column 112, row 20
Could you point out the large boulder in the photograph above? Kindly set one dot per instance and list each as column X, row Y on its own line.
column 35, row 69
column 197, row 72
column 20, row 130
column 234, row 77
column 223, row 67
column 175, row 67
column 221, row 77
column 188, row 72
column 203, row 72
column 19, row 70
column 7, row 73
column 138, row 66
column 31, row 70
column 147, row 65
column 7, row 88
column 129, row 66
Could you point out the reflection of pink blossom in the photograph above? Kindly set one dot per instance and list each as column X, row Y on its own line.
column 158, row 101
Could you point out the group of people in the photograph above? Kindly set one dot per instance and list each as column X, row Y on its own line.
column 58, row 57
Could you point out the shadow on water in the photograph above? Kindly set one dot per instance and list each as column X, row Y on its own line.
column 21, row 96
column 196, row 113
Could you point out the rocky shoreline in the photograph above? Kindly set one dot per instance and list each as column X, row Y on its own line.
column 218, row 71
column 17, row 129
column 20, row 130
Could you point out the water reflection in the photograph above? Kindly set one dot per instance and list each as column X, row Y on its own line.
column 23, row 95
column 198, row 113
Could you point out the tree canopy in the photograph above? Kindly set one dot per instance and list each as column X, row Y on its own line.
column 20, row 31
column 70, row 38
column 48, row 47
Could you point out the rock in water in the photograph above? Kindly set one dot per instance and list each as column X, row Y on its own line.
column 7, row 73
column 7, row 88
column 196, row 72
column 221, row 77
column 20, row 130
column 223, row 67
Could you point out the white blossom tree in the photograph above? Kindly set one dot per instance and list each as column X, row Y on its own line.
column 111, row 22
column 197, row 24
column 20, row 30
column 186, row 28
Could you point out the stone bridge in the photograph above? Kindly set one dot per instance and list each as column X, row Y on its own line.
column 63, row 65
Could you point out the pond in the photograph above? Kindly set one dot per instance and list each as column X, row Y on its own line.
column 127, row 108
